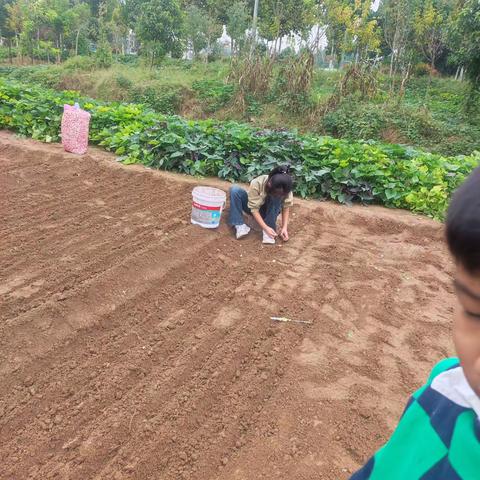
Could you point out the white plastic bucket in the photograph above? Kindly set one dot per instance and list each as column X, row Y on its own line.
column 207, row 206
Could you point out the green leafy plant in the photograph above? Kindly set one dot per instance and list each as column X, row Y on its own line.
column 163, row 99
column 213, row 93
column 324, row 167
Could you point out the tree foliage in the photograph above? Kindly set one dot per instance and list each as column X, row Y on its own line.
column 405, row 32
column 430, row 28
column 465, row 37
column 238, row 21
column 160, row 27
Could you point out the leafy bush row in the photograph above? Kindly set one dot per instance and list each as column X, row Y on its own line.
column 324, row 167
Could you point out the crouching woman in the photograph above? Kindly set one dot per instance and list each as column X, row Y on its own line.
column 268, row 197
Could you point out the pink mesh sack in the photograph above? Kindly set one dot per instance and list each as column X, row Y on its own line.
column 75, row 123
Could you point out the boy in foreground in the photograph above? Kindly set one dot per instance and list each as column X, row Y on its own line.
column 438, row 436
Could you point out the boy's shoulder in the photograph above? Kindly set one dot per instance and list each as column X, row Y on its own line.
column 438, row 436
column 440, row 368
column 443, row 366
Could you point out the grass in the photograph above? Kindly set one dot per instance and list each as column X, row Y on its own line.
column 433, row 120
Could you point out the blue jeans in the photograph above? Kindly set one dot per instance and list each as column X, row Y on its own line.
column 239, row 205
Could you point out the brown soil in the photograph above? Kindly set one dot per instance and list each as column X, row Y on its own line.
column 134, row 345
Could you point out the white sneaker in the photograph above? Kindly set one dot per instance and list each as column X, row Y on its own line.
column 242, row 231
column 268, row 239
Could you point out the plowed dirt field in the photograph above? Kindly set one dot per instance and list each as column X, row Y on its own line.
column 134, row 345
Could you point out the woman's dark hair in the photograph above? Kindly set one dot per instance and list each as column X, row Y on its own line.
column 280, row 181
column 463, row 223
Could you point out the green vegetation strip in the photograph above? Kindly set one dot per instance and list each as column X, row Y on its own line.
column 367, row 172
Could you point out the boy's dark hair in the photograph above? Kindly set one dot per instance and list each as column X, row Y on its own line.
column 279, row 179
column 463, row 223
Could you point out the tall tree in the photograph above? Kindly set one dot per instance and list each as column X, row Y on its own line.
column 131, row 10
column 81, row 16
column 196, row 28
column 397, row 21
column 118, row 27
column 337, row 16
column 17, row 13
column 160, row 27
column 363, row 30
column 238, row 21
column 430, row 26
column 4, row 30
column 465, row 38
column 279, row 18
column 104, row 49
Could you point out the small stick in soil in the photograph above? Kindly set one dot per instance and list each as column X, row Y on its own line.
column 284, row 319
column 131, row 420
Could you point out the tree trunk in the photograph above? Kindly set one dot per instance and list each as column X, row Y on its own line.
column 254, row 28
column 457, row 73
column 405, row 78
column 342, row 58
column 322, row 56
column 19, row 50
column 432, row 67
column 330, row 66
column 153, row 59
column 10, row 51
column 76, row 42
column 280, row 46
column 61, row 48
column 391, row 63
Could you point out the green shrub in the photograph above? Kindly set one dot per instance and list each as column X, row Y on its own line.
column 324, row 167
column 421, row 70
column 296, row 103
column 353, row 120
column 293, row 84
column 83, row 63
column 5, row 53
column 254, row 107
column 103, row 54
column 48, row 76
column 5, row 70
column 413, row 125
column 365, row 120
column 123, row 82
column 130, row 60
column 214, row 94
column 163, row 99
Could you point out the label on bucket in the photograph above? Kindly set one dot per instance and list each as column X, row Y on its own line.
column 206, row 214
